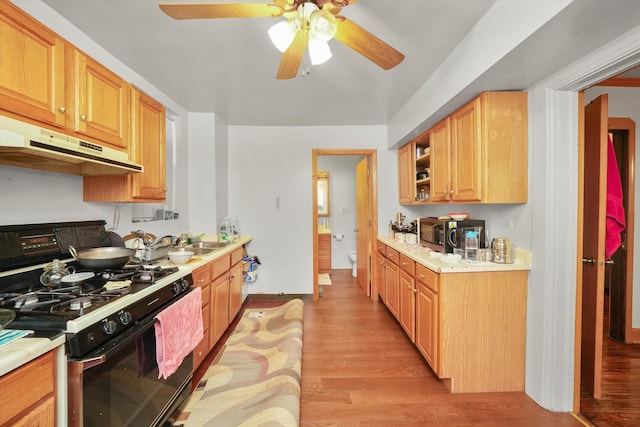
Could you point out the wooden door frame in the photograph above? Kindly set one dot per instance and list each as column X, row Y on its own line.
column 627, row 124
column 372, row 155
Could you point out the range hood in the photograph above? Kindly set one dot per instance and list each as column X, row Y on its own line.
column 26, row 145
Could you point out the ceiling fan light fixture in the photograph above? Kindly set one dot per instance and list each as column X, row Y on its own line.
column 319, row 51
column 282, row 34
column 305, row 10
column 323, row 24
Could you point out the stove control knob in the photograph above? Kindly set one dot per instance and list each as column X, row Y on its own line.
column 125, row 317
column 109, row 326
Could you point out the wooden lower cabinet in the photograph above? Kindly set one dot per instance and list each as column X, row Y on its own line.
column 392, row 278
column 406, row 296
column 235, row 283
column 28, row 394
column 221, row 282
column 379, row 274
column 202, row 279
column 469, row 327
column 427, row 322
column 324, row 252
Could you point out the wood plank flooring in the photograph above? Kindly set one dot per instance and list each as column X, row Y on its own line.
column 620, row 403
column 360, row 369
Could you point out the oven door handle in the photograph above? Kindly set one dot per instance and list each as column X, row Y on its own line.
column 93, row 361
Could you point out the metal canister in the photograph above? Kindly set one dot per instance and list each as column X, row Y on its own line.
column 501, row 247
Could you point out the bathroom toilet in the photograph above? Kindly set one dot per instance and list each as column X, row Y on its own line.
column 352, row 258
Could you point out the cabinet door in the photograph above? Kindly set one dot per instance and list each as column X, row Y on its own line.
column 31, row 68
column 392, row 276
column 235, row 284
column 466, row 143
column 406, row 174
column 324, row 252
column 426, row 337
column 148, row 148
column 202, row 279
column 407, row 304
column 100, row 99
column 32, row 388
column 379, row 274
column 440, row 162
column 219, row 308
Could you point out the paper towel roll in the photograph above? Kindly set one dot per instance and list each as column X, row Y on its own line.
column 338, row 236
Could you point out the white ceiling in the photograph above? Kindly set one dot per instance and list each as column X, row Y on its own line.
column 228, row 66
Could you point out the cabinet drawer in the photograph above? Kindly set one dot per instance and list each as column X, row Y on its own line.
column 236, row 256
column 428, row 277
column 28, row 385
column 220, row 266
column 393, row 256
column 206, row 295
column 382, row 248
column 202, row 276
column 408, row 265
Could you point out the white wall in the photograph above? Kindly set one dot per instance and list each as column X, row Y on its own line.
column 274, row 163
column 625, row 102
column 342, row 202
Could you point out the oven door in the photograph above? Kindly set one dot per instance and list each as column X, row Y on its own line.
column 118, row 385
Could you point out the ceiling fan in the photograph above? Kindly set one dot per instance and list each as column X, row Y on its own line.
column 308, row 24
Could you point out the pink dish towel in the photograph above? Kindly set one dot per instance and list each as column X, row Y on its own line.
column 178, row 331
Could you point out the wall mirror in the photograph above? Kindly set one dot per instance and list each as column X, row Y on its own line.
column 323, row 193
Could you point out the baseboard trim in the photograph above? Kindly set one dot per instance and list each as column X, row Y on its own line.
column 635, row 336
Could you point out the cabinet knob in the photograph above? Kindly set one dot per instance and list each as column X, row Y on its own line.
column 83, row 117
column 415, row 290
column 63, row 109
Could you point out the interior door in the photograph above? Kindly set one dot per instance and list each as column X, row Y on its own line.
column 363, row 225
column 593, row 232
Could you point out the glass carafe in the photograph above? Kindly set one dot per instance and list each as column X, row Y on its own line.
column 54, row 272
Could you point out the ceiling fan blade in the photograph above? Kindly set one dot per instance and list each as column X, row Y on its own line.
column 292, row 57
column 367, row 45
column 222, row 10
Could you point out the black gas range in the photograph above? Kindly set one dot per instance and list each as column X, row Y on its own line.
column 93, row 311
column 109, row 319
column 90, row 312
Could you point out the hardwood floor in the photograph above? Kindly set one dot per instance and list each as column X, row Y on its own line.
column 620, row 403
column 360, row 369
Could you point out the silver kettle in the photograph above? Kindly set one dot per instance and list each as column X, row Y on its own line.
column 502, row 250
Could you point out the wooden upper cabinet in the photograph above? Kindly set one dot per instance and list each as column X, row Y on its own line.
column 99, row 101
column 440, row 160
column 479, row 153
column 466, row 146
column 32, row 82
column 406, row 173
column 148, row 148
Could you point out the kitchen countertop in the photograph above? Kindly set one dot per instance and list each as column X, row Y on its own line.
column 23, row 350
column 422, row 256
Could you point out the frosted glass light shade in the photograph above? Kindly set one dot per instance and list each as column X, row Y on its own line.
column 319, row 51
column 323, row 24
column 282, row 34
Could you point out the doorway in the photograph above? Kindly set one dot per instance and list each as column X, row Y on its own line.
column 368, row 211
column 613, row 314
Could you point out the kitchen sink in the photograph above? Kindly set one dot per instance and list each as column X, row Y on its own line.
column 208, row 245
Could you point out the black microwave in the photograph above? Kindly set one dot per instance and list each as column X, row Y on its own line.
column 444, row 235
